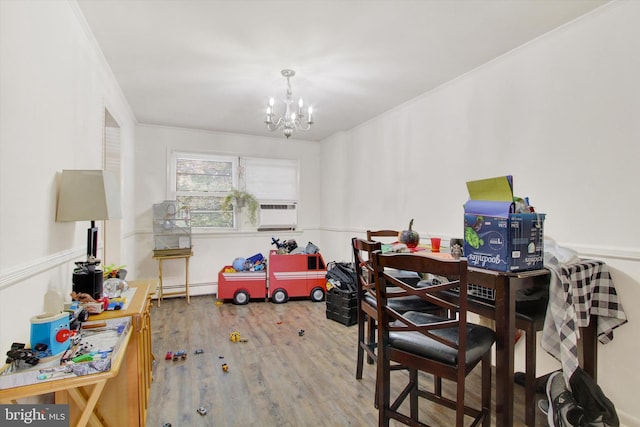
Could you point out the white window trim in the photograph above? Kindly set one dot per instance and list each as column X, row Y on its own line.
column 171, row 184
column 239, row 163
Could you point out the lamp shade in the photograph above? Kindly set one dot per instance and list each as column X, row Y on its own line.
column 88, row 195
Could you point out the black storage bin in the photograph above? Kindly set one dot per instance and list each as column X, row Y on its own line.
column 342, row 306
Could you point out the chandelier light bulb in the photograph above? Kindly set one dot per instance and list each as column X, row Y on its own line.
column 289, row 121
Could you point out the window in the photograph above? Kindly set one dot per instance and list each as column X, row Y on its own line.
column 271, row 179
column 201, row 181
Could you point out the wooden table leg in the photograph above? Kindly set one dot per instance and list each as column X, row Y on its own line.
column 87, row 405
column 530, row 377
column 588, row 348
column 505, row 331
column 160, row 280
column 186, row 282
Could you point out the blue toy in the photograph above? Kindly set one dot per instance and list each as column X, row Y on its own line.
column 238, row 264
column 52, row 330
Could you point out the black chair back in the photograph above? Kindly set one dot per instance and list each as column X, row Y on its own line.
column 442, row 344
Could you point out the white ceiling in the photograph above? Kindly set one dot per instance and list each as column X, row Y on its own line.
column 213, row 64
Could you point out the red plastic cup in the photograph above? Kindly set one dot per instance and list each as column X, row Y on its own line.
column 435, row 244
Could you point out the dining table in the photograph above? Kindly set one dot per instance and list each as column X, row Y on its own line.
column 583, row 290
column 590, row 308
column 503, row 311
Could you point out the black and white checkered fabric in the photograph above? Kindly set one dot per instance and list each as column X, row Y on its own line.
column 576, row 292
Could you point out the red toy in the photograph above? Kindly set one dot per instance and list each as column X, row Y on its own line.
column 242, row 285
column 296, row 275
column 290, row 275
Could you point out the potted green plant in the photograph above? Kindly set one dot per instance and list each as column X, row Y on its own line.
column 241, row 199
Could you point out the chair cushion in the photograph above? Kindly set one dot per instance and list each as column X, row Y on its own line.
column 404, row 304
column 479, row 340
column 410, row 277
column 408, row 303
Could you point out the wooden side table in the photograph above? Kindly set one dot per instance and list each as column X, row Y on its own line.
column 96, row 399
column 185, row 292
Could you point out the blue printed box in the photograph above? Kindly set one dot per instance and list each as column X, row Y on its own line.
column 514, row 243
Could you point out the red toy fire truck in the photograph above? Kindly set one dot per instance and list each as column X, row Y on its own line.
column 289, row 276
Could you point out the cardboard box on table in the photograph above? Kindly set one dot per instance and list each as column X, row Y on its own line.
column 495, row 237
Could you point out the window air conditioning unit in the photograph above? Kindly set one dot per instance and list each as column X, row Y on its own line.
column 278, row 216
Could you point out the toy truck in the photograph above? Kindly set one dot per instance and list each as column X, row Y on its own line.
column 289, row 276
column 241, row 286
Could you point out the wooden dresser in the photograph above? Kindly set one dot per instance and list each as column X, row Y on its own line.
column 139, row 358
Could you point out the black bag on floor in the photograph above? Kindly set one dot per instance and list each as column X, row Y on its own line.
column 598, row 409
column 342, row 275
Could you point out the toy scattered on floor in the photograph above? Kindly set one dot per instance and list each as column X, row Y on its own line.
column 202, row 410
column 168, row 356
column 181, row 354
column 225, row 368
column 198, row 351
column 235, row 337
column 166, row 425
column 301, row 332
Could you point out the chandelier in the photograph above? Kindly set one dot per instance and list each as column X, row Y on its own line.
column 291, row 120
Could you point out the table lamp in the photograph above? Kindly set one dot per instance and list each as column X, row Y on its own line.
column 88, row 195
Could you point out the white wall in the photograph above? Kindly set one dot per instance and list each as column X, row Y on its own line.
column 55, row 86
column 213, row 251
column 560, row 115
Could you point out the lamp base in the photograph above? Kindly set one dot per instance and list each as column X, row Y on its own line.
column 88, row 282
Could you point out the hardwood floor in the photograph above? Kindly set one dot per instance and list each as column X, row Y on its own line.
column 278, row 377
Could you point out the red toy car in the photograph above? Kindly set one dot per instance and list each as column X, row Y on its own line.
column 290, row 275
column 296, row 275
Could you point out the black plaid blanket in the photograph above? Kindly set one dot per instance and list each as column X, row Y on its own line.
column 577, row 292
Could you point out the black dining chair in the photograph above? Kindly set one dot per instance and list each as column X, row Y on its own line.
column 366, row 301
column 447, row 346
column 531, row 322
column 387, row 236
column 366, row 294
column 381, row 233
